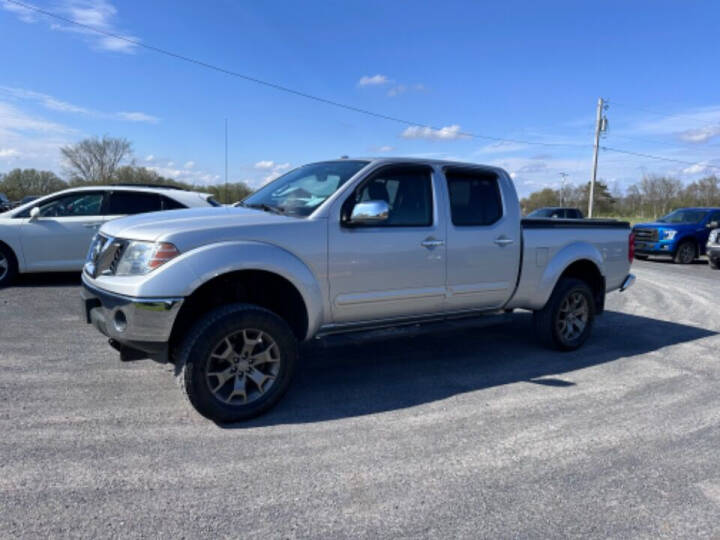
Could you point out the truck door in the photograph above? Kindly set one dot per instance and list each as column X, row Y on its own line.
column 394, row 268
column 483, row 239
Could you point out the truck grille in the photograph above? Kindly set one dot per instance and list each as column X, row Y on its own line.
column 104, row 255
column 646, row 235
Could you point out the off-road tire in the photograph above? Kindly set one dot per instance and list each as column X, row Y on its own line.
column 8, row 266
column 546, row 319
column 714, row 264
column 194, row 355
column 683, row 252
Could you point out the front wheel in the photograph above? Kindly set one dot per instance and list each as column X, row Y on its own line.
column 685, row 253
column 8, row 266
column 714, row 263
column 566, row 321
column 237, row 362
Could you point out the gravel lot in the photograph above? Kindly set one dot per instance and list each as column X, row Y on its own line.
column 464, row 433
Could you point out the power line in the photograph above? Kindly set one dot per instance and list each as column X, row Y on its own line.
column 280, row 87
column 650, row 156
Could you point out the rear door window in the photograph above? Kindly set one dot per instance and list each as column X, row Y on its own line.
column 171, row 204
column 132, row 202
column 474, row 198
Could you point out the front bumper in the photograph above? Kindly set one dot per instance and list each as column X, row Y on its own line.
column 140, row 324
column 713, row 251
column 655, row 248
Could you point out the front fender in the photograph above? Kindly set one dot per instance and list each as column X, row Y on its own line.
column 559, row 263
column 183, row 275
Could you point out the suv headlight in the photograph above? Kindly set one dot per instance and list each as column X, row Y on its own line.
column 142, row 257
column 668, row 235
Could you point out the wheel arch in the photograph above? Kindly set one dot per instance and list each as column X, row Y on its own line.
column 263, row 288
column 12, row 253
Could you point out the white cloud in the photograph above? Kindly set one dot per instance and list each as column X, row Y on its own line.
column 700, row 168
column 138, row 117
column 501, row 147
column 386, row 148
column 170, row 163
column 447, row 133
column 265, row 164
column 54, row 104
column 150, row 158
column 98, row 14
column 374, row 80
column 701, row 135
column 397, row 90
column 189, row 164
column 8, row 152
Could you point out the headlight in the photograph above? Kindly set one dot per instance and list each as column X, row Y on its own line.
column 668, row 235
column 142, row 257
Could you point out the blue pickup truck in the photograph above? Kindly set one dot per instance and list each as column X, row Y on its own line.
column 681, row 234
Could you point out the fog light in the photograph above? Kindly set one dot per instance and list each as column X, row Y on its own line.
column 120, row 321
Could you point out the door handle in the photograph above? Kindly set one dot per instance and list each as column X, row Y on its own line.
column 503, row 241
column 431, row 243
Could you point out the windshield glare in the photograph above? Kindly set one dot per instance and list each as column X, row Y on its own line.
column 684, row 216
column 302, row 190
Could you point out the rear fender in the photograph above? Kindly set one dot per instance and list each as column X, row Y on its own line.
column 560, row 262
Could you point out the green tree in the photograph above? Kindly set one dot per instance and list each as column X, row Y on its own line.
column 19, row 183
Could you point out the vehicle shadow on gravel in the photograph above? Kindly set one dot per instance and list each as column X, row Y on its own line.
column 54, row 279
column 372, row 377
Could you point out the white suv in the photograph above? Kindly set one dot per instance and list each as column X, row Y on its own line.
column 52, row 234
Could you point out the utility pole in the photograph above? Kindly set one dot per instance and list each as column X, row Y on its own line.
column 600, row 126
column 226, row 162
column 564, row 176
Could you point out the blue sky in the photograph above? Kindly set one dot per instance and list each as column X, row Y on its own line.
column 521, row 70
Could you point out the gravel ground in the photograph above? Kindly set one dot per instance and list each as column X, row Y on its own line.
column 464, row 433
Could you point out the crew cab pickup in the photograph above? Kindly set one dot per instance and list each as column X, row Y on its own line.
column 339, row 246
column 682, row 234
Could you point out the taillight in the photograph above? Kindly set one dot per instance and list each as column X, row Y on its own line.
column 631, row 246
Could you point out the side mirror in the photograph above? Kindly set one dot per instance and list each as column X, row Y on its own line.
column 34, row 213
column 713, row 225
column 369, row 213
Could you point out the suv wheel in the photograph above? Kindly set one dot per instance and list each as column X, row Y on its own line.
column 566, row 321
column 685, row 253
column 237, row 362
column 8, row 266
column 714, row 263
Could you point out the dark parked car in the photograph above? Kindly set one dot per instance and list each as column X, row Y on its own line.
column 5, row 204
column 26, row 199
column 556, row 212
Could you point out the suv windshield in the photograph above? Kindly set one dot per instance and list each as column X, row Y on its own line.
column 684, row 216
column 302, row 190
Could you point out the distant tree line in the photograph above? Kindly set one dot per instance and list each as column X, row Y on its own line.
column 652, row 197
column 97, row 161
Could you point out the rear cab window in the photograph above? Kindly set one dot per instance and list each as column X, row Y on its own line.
column 475, row 198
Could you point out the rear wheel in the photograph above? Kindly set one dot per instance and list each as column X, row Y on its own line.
column 685, row 252
column 641, row 257
column 566, row 321
column 8, row 266
column 237, row 362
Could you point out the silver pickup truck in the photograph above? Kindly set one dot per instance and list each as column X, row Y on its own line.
column 339, row 246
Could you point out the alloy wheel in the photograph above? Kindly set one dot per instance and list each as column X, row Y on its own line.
column 687, row 253
column 243, row 366
column 4, row 266
column 573, row 316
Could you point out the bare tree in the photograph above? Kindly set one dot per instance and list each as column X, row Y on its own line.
column 95, row 160
column 21, row 182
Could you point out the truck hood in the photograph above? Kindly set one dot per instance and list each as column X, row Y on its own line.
column 659, row 225
column 168, row 224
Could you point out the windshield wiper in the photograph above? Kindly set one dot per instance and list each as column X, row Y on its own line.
column 265, row 207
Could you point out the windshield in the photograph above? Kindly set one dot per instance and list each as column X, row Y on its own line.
column 684, row 216
column 302, row 190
